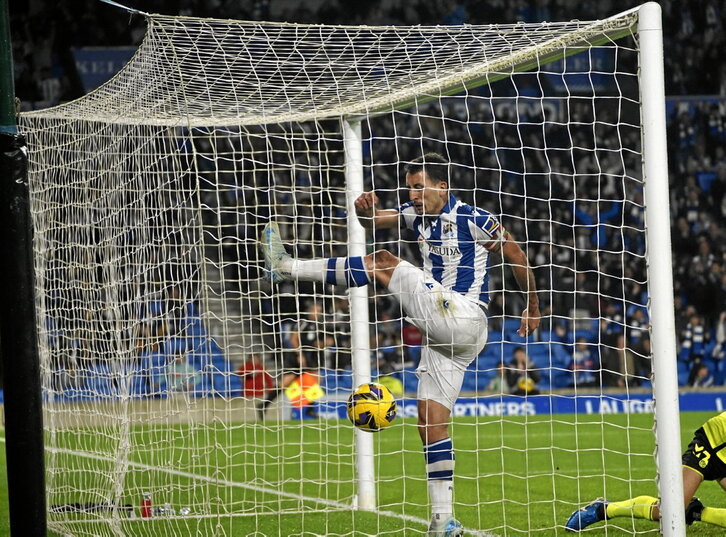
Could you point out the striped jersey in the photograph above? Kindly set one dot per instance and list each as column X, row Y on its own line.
column 455, row 246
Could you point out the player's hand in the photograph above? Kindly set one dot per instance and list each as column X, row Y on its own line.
column 530, row 321
column 366, row 203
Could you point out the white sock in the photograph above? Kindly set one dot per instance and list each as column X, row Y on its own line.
column 309, row 270
column 441, row 494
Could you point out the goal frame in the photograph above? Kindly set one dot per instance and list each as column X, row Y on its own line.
column 660, row 306
column 657, row 215
column 660, row 278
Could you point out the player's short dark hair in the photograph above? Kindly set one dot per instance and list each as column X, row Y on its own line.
column 435, row 166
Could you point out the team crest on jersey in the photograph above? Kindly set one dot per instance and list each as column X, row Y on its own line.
column 448, row 230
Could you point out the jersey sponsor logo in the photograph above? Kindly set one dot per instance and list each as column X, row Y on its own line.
column 444, row 250
column 702, row 455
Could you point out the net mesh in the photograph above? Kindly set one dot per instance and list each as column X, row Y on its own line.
column 148, row 196
column 210, row 72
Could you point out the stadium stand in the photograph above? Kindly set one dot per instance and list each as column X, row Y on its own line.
column 46, row 75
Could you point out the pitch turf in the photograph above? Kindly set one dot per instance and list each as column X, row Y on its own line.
column 543, row 468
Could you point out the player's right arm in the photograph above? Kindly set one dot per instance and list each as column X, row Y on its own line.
column 369, row 216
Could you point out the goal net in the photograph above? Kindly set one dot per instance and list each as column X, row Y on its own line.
column 167, row 356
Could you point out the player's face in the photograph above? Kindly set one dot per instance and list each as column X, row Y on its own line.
column 428, row 197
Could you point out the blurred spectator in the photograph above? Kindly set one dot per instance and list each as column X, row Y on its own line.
column 693, row 345
column 522, row 374
column 618, row 365
column 384, row 358
column 392, row 383
column 612, row 322
column 308, row 338
column 388, row 329
column 499, row 382
column 551, row 328
column 637, row 326
column 306, row 353
column 719, row 351
column 412, row 341
column 702, row 377
column 584, row 365
column 338, row 342
column 256, row 381
column 642, row 355
column 179, row 377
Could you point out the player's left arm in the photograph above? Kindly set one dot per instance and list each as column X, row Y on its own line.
column 517, row 259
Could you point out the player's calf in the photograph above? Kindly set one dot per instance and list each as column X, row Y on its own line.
column 345, row 271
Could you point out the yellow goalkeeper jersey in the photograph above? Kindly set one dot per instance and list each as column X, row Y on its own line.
column 715, row 429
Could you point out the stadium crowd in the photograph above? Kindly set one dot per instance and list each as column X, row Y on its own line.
column 609, row 335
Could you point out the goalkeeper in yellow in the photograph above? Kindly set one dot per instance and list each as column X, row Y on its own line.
column 703, row 460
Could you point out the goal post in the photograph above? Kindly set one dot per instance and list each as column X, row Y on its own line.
column 174, row 397
column 22, row 419
column 661, row 310
column 359, row 315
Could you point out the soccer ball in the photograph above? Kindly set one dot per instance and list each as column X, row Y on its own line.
column 371, row 407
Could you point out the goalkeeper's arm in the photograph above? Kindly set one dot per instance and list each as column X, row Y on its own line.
column 369, row 216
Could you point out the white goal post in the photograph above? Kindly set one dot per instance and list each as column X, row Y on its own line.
column 155, row 317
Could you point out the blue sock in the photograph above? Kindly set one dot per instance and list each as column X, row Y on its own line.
column 440, row 460
column 347, row 271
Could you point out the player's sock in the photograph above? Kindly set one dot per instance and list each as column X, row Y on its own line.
column 308, row 269
column 440, row 472
column 715, row 516
column 347, row 271
column 639, row 507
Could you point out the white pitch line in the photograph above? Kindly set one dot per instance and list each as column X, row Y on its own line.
column 235, row 484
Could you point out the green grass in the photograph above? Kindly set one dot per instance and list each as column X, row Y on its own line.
column 543, row 468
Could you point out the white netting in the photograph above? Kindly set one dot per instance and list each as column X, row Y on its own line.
column 210, row 72
column 149, row 194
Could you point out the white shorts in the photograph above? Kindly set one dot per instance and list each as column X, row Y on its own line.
column 454, row 329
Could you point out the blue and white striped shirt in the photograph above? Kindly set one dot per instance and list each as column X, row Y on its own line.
column 455, row 246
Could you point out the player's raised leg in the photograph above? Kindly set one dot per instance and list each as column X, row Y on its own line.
column 345, row 271
column 348, row 271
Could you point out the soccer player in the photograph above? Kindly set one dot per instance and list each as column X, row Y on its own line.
column 307, row 354
column 447, row 300
column 703, row 460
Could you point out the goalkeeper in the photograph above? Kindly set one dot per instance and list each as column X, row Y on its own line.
column 447, row 300
column 703, row 460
